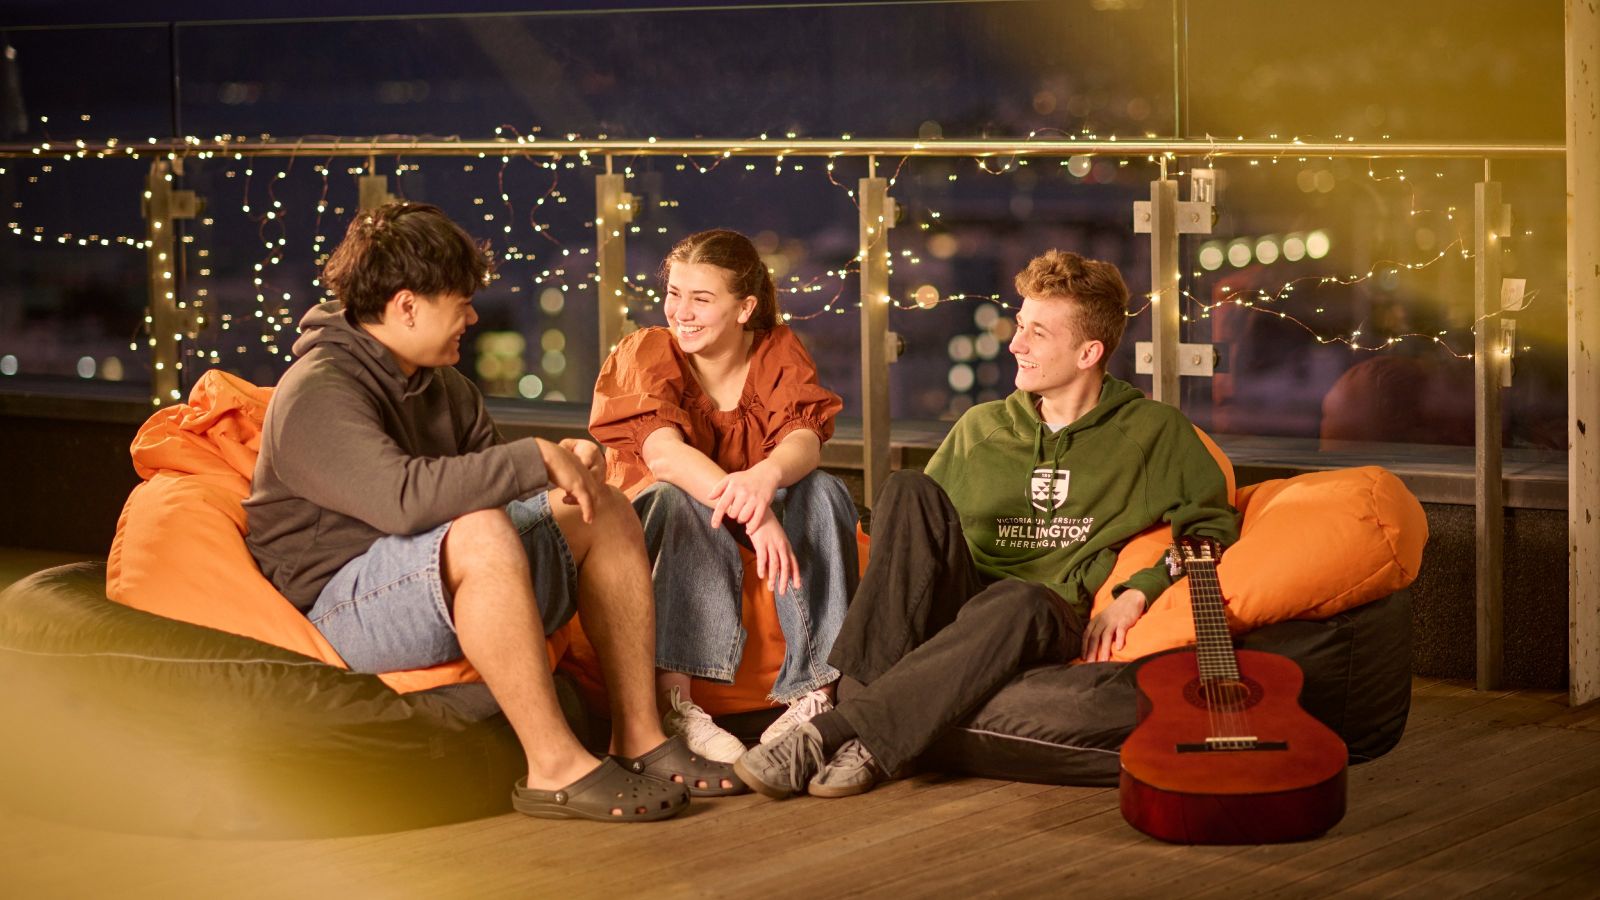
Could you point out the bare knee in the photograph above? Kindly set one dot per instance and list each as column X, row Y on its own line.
column 614, row 524
column 477, row 542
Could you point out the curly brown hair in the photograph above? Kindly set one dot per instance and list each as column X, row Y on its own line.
column 403, row 246
column 1096, row 287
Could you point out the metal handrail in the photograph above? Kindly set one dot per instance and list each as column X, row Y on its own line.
column 763, row 147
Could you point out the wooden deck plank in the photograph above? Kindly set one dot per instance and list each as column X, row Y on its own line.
column 1490, row 792
column 1340, row 862
column 1575, row 873
column 1528, row 842
column 1153, row 869
column 1383, row 801
column 1467, row 845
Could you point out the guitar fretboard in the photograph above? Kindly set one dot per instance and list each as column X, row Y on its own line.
column 1213, row 643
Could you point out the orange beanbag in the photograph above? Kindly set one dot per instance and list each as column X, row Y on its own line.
column 179, row 549
column 1309, row 547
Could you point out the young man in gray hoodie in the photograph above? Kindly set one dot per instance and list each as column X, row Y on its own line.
column 388, row 508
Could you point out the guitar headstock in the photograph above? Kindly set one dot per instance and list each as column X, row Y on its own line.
column 1198, row 549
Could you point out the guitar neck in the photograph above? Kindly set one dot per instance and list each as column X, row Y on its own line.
column 1213, row 644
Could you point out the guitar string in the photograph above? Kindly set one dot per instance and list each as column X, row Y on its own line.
column 1208, row 687
column 1237, row 702
column 1227, row 705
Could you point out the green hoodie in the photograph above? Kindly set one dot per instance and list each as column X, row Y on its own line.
column 1056, row 508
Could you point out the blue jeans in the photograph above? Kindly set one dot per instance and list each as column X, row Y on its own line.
column 698, row 578
column 389, row 608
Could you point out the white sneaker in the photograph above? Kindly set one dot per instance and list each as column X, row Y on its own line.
column 703, row 736
column 799, row 712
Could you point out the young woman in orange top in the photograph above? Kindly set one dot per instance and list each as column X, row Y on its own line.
column 714, row 426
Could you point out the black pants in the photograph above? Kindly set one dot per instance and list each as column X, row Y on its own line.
column 927, row 636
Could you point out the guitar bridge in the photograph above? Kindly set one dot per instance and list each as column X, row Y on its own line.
column 1224, row 745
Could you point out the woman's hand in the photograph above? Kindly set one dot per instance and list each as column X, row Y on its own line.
column 775, row 560
column 746, row 496
column 1109, row 630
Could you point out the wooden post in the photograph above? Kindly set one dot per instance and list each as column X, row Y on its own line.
column 1583, row 348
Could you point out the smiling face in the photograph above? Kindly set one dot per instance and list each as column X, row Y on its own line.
column 434, row 326
column 705, row 315
column 1050, row 352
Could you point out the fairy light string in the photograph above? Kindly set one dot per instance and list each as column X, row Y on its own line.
column 551, row 268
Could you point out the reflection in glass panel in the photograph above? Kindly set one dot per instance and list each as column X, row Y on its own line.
column 73, row 289
column 1339, row 294
column 956, row 70
column 1425, row 70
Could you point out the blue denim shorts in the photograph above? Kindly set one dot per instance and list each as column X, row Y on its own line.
column 389, row 609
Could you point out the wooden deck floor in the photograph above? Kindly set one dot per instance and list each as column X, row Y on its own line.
column 1489, row 795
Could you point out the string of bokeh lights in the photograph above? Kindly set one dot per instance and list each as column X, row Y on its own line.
column 273, row 231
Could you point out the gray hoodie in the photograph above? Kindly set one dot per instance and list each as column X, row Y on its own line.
column 353, row 450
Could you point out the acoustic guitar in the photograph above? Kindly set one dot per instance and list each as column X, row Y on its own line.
column 1223, row 753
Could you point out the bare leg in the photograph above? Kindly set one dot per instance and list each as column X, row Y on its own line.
column 617, row 604
column 498, row 625
column 618, row 610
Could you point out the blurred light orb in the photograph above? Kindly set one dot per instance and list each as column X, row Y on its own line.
column 987, row 346
column 1211, row 257
column 1239, row 253
column 1294, row 248
column 1267, row 251
column 927, row 296
column 1317, row 244
column 986, row 316
column 553, row 340
column 943, row 246
column 551, row 300
column 554, row 362
column 530, row 387
column 111, row 369
column 86, row 367
column 961, row 377
column 960, row 348
column 1079, row 166
column 8, row 365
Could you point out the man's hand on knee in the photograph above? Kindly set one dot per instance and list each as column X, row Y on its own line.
column 569, row 473
column 590, row 454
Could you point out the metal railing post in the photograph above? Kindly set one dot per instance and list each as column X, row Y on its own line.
column 1488, row 367
column 1164, row 312
column 162, row 207
column 613, row 211
column 877, row 217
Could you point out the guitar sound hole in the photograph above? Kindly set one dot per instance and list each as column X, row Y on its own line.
column 1223, row 696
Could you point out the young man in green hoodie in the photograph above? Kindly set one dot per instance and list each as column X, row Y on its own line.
column 387, row 507
column 988, row 564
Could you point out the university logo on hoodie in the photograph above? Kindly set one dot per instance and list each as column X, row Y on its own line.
column 1049, row 489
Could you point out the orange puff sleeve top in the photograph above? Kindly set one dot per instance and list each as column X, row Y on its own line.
column 647, row 384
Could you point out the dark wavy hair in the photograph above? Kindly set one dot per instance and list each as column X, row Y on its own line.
column 747, row 274
column 403, row 246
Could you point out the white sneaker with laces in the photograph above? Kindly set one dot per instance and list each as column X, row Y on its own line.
column 703, row 736
column 799, row 712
